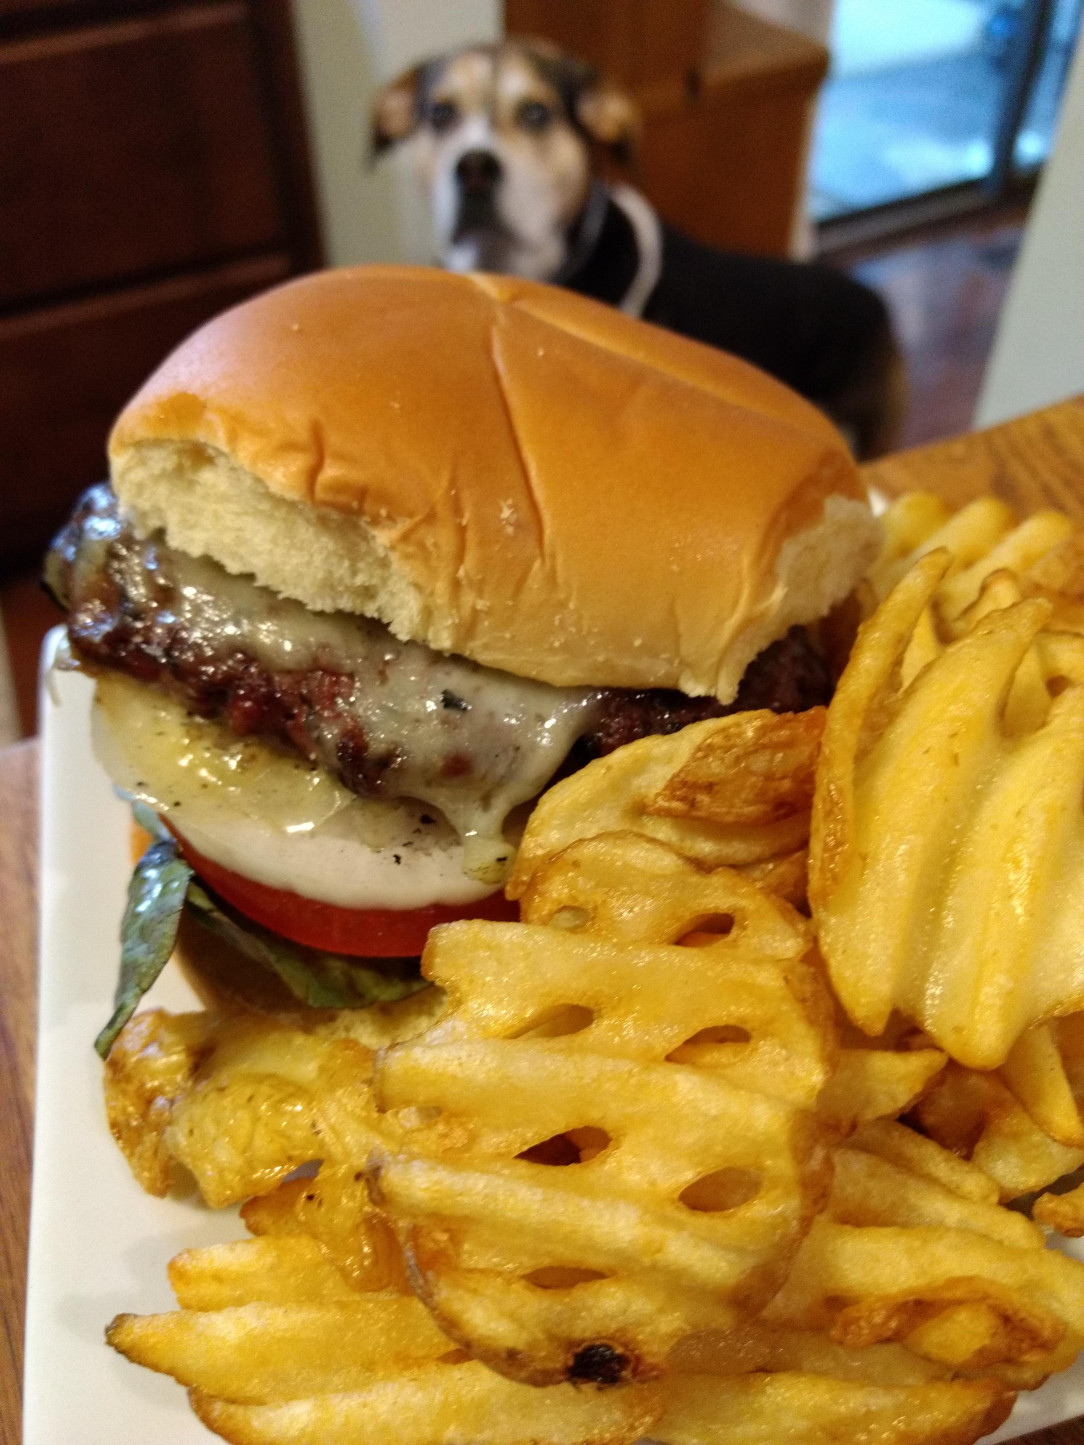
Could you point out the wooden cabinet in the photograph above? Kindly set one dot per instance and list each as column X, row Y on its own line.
column 153, row 170
column 726, row 100
column 637, row 41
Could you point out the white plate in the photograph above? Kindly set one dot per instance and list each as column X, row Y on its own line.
column 98, row 1244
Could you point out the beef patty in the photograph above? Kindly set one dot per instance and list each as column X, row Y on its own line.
column 387, row 718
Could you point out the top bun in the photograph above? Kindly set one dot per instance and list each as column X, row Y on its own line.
column 500, row 469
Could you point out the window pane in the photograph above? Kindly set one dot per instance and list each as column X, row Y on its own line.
column 912, row 101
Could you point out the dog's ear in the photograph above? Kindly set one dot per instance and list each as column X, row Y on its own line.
column 395, row 111
column 611, row 117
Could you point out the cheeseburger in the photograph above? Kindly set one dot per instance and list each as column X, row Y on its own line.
column 384, row 552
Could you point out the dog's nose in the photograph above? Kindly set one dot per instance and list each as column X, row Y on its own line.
column 478, row 170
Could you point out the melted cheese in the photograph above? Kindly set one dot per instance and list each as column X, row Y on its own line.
column 471, row 741
column 273, row 817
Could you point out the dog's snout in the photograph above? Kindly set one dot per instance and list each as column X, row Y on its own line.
column 478, row 170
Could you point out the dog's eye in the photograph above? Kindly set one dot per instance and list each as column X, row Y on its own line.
column 443, row 114
column 534, row 115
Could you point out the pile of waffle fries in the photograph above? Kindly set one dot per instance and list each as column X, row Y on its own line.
column 714, row 1147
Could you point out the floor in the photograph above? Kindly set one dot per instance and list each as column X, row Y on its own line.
column 944, row 287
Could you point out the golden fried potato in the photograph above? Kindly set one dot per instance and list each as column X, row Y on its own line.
column 757, row 770
column 438, row 1403
column 926, row 804
column 970, row 1324
column 755, row 1346
column 240, row 1102
column 261, row 1352
column 468, row 1402
column 795, row 1409
column 1016, row 552
column 1040, row 557
column 967, row 536
column 572, row 1197
column 273, row 1355
column 907, row 521
column 976, row 1116
column 281, row 1269
column 430, row 1407
column 873, row 1083
column 870, row 1281
column 868, row 1189
column 276, row 1349
column 731, row 791
column 1035, row 1074
column 152, row 1063
column 897, row 1144
column 334, row 1211
column 1062, row 1212
column 911, row 1247
column 780, row 1036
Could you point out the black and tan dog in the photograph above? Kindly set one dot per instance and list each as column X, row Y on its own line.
column 508, row 139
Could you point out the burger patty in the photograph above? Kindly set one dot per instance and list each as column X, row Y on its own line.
column 790, row 675
column 387, row 718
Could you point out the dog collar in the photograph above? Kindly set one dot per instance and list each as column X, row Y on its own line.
column 591, row 221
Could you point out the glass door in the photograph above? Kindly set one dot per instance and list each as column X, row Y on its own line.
column 927, row 95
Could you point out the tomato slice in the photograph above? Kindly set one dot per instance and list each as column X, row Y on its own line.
column 363, row 932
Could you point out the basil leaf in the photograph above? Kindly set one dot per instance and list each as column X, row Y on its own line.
column 322, row 980
column 148, row 930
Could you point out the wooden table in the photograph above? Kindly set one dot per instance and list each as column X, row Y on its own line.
column 1035, row 462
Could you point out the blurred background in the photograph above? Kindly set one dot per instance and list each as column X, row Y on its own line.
column 160, row 160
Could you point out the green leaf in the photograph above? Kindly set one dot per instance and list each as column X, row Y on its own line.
column 322, row 980
column 148, row 930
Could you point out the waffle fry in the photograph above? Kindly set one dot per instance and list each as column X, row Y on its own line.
column 285, row 1269
column 334, row 1213
column 261, row 1324
column 982, row 538
column 912, row 1248
column 468, row 1402
column 685, row 1190
column 429, row 1406
column 259, row 1352
column 796, row 1409
column 976, row 1116
column 927, row 802
column 1062, row 1212
column 241, row 1101
column 240, row 1106
column 733, row 791
column 869, row 1084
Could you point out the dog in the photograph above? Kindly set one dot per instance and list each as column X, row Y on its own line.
column 512, row 141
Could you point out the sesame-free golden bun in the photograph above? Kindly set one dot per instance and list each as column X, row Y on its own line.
column 503, row 470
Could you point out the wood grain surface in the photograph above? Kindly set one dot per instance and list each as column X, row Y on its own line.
column 1034, row 462
column 1037, row 461
column 18, row 939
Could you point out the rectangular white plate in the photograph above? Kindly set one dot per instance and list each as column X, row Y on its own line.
column 98, row 1244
